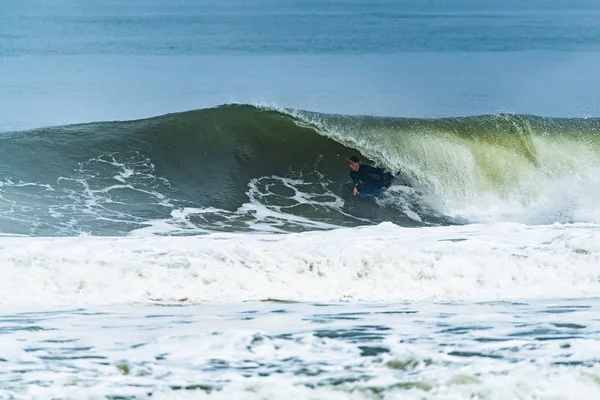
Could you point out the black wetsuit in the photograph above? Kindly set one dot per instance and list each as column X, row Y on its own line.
column 370, row 178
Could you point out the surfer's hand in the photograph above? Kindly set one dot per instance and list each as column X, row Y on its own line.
column 383, row 188
column 354, row 192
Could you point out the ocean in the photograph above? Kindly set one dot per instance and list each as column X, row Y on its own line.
column 177, row 218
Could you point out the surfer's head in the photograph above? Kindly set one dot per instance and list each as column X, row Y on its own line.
column 354, row 163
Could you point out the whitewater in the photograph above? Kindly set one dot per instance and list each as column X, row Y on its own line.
column 496, row 262
column 177, row 218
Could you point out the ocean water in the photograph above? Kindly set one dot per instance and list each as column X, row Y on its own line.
column 176, row 217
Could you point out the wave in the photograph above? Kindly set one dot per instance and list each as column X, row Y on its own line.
column 504, row 261
column 245, row 168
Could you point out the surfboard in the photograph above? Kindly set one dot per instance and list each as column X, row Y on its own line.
column 370, row 192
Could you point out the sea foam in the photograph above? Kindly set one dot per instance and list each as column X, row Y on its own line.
column 377, row 263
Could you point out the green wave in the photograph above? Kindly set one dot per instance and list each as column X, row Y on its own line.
column 490, row 167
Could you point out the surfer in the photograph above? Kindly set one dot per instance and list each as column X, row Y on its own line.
column 368, row 179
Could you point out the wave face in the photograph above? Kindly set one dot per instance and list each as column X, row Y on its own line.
column 243, row 168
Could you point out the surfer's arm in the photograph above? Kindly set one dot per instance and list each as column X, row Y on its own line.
column 382, row 177
column 354, row 178
column 356, row 182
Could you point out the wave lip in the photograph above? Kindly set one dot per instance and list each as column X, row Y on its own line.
column 379, row 263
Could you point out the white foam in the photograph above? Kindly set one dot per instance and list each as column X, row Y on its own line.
column 522, row 382
column 275, row 351
column 377, row 263
column 265, row 211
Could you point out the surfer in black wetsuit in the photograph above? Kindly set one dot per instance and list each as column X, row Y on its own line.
column 368, row 178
